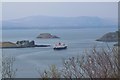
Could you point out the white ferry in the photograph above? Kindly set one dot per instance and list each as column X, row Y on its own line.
column 60, row 46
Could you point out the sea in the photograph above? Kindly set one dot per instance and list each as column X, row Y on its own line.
column 29, row 62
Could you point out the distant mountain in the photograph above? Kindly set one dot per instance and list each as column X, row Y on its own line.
column 56, row 22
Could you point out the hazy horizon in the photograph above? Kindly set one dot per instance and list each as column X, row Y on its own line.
column 16, row 10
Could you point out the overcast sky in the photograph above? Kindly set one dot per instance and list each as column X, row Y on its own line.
column 13, row 10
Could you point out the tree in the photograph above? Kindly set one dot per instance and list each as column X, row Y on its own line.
column 96, row 63
column 7, row 67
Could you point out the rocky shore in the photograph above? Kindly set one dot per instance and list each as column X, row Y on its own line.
column 20, row 44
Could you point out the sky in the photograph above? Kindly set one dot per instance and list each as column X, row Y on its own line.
column 60, row 0
column 13, row 10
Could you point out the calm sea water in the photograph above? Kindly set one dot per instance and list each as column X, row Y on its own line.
column 31, row 60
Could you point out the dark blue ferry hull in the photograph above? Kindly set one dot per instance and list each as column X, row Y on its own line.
column 60, row 48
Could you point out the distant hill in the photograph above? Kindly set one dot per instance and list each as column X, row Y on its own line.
column 110, row 37
column 56, row 22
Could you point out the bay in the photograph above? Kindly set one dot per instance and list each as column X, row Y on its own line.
column 31, row 60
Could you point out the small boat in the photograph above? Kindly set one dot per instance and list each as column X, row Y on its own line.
column 60, row 46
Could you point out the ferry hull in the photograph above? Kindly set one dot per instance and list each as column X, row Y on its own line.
column 60, row 48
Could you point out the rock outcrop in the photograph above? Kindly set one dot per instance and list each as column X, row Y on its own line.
column 109, row 37
column 46, row 36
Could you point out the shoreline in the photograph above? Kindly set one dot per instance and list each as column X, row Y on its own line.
column 4, row 45
column 25, row 47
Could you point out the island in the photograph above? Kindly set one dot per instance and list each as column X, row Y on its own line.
column 20, row 44
column 47, row 36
